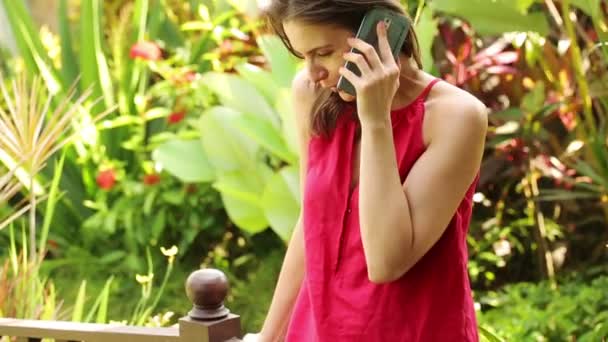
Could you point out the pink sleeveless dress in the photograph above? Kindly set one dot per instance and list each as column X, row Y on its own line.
column 337, row 302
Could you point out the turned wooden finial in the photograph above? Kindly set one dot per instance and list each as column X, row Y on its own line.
column 207, row 289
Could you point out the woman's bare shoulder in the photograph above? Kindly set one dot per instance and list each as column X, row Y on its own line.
column 447, row 103
column 448, row 107
column 304, row 93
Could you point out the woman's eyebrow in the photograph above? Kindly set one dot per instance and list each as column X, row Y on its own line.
column 317, row 48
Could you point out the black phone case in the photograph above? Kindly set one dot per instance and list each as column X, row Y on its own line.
column 397, row 32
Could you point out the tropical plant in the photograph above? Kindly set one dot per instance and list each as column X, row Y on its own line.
column 247, row 148
column 546, row 147
column 30, row 129
column 9, row 186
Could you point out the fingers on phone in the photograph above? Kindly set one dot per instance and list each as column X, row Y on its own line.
column 359, row 60
column 386, row 55
column 368, row 50
column 350, row 76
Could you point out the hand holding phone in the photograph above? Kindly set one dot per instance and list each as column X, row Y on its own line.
column 397, row 28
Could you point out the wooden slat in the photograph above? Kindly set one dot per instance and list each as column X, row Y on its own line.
column 27, row 339
column 88, row 332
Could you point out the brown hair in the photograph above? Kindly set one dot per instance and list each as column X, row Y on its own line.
column 342, row 13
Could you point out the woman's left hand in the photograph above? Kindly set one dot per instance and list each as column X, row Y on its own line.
column 379, row 78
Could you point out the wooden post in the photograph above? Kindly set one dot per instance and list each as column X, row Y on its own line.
column 209, row 320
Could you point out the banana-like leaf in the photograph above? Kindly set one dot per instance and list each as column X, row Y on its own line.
column 281, row 202
column 283, row 65
column 185, row 159
column 236, row 93
column 261, row 79
column 227, row 148
column 426, row 28
column 265, row 135
column 284, row 106
column 241, row 194
column 491, row 17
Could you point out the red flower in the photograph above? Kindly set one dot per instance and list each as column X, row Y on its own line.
column 515, row 150
column 176, row 117
column 151, row 179
column 568, row 119
column 106, row 179
column 184, row 78
column 148, row 51
column 190, row 76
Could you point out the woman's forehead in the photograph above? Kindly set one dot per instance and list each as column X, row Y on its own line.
column 305, row 36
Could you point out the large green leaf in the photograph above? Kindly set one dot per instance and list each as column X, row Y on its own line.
column 265, row 135
column 227, row 148
column 284, row 106
column 185, row 159
column 590, row 7
column 495, row 16
column 241, row 193
column 426, row 29
column 261, row 79
column 248, row 7
column 236, row 93
column 284, row 65
column 281, row 202
column 93, row 64
column 69, row 62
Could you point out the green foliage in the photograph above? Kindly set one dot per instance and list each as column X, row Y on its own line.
column 249, row 142
column 496, row 17
column 577, row 310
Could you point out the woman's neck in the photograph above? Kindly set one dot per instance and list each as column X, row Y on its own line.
column 411, row 83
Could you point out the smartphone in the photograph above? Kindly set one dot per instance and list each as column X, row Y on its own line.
column 397, row 29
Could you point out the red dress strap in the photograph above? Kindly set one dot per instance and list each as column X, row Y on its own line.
column 428, row 88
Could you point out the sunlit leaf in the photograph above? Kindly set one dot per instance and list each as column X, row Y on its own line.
column 280, row 203
column 227, row 148
column 185, row 159
column 495, row 17
column 426, row 29
column 236, row 93
column 283, row 65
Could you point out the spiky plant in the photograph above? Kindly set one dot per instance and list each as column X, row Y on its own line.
column 34, row 124
column 9, row 186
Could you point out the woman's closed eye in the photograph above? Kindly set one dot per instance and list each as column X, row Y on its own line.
column 324, row 53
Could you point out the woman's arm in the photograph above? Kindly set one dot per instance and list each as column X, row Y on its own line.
column 287, row 289
column 400, row 223
column 292, row 271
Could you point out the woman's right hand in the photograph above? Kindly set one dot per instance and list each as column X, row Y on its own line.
column 251, row 338
column 257, row 337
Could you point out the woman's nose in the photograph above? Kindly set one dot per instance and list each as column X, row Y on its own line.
column 317, row 74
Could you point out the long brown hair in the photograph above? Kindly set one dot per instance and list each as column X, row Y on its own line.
column 343, row 13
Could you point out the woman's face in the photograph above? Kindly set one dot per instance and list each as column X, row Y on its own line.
column 321, row 47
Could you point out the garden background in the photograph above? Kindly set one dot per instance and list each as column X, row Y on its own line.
column 141, row 140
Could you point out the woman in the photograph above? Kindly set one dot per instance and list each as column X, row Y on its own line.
column 379, row 252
